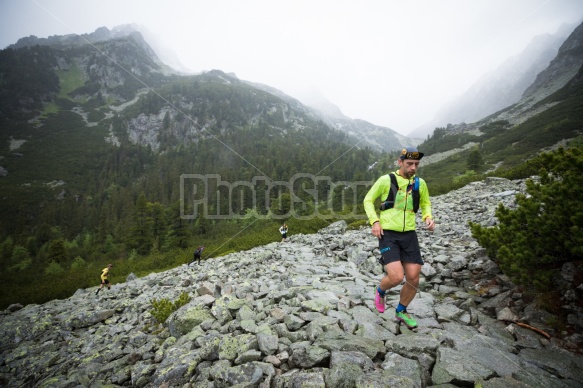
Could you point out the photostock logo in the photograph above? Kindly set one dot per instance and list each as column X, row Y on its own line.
column 305, row 196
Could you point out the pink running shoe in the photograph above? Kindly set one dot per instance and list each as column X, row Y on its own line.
column 379, row 301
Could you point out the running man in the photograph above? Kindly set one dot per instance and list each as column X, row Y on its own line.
column 395, row 229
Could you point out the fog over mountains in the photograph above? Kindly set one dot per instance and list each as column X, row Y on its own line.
column 500, row 88
column 493, row 92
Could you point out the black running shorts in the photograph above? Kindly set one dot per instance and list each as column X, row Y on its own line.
column 400, row 246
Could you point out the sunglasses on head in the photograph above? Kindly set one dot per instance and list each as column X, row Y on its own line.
column 410, row 155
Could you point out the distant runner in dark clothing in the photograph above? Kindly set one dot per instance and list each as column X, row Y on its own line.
column 197, row 254
column 283, row 231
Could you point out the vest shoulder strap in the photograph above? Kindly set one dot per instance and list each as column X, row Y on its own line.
column 390, row 201
column 416, row 195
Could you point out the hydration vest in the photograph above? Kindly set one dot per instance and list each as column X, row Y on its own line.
column 389, row 203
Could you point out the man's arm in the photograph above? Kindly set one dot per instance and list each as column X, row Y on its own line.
column 375, row 192
column 369, row 207
column 425, row 205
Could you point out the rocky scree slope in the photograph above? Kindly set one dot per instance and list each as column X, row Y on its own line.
column 301, row 313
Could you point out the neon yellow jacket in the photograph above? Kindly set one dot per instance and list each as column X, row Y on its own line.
column 401, row 217
column 104, row 273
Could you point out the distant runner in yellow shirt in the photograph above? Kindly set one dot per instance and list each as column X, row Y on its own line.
column 104, row 280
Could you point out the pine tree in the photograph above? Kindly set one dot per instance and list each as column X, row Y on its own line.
column 177, row 235
column 533, row 241
column 140, row 237
column 57, row 251
column 158, row 224
column 475, row 160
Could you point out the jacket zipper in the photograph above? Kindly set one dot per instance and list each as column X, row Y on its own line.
column 405, row 207
column 405, row 210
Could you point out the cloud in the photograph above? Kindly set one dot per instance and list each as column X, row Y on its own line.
column 392, row 63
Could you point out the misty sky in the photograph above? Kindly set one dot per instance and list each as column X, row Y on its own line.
column 392, row 63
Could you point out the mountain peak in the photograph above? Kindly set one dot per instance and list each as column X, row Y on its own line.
column 99, row 35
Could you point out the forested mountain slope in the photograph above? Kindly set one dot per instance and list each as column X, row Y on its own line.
column 97, row 135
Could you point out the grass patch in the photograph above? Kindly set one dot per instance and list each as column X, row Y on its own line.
column 48, row 109
column 70, row 80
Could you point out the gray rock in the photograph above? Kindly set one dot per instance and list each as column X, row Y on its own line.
column 450, row 313
column 309, row 357
column 267, row 343
column 299, row 378
column 384, row 379
column 405, row 367
column 560, row 363
column 247, row 375
column 187, row 318
column 453, row 367
column 354, row 358
column 343, row 374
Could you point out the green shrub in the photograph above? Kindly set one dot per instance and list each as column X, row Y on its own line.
column 533, row 241
column 183, row 299
column 109, row 244
column 6, row 247
column 78, row 263
column 58, row 251
column 95, row 116
column 54, row 268
column 162, row 308
column 133, row 255
column 21, row 265
column 358, row 224
column 19, row 253
column 70, row 245
column 576, row 142
column 465, row 178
